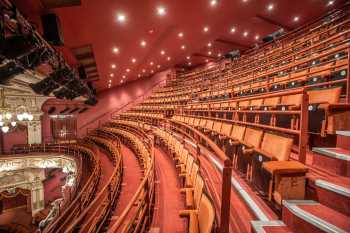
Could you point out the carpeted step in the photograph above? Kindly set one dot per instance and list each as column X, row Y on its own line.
column 305, row 216
column 334, row 160
column 269, row 227
column 343, row 139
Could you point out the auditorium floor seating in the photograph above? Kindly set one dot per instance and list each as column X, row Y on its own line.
column 230, row 138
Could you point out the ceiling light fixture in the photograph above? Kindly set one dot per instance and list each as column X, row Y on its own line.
column 209, row 53
column 133, row 60
column 213, row 3
column 206, row 29
column 168, row 58
column 245, row 34
column 151, row 63
column 121, row 18
column 143, row 43
column 209, row 44
column 124, row 76
column 206, row 60
column 158, row 66
column 296, row 19
column 233, row 30
column 219, row 54
column 330, row 3
column 181, row 34
column 111, row 75
column 183, row 47
column 270, row 7
column 143, row 71
column 188, row 57
column 113, row 66
column 161, row 11
column 257, row 37
column 162, row 52
column 115, row 50
column 128, row 70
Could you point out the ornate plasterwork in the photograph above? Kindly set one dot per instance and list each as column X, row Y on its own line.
column 28, row 173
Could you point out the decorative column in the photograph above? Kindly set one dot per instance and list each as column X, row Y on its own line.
column 37, row 196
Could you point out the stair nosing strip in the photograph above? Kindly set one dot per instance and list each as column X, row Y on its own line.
column 343, row 133
column 333, row 187
column 324, row 151
column 259, row 225
column 291, row 205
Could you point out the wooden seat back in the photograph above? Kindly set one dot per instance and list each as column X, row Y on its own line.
column 272, row 101
column 196, row 121
column 237, row 132
column 198, row 191
column 294, row 100
column 253, row 137
column 217, row 126
column 329, row 95
column 226, row 129
column 206, row 215
column 256, row 102
column 209, row 125
column 277, row 146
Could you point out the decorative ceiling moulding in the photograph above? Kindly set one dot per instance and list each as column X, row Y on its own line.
column 49, row 4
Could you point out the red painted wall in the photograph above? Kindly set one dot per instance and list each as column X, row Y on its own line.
column 19, row 136
column 109, row 101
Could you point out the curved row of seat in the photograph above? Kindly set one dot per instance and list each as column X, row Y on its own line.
column 200, row 211
column 137, row 216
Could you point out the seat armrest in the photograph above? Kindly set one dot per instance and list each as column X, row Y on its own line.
column 247, row 151
column 186, row 213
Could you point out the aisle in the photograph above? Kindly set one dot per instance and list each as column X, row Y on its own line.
column 131, row 180
column 168, row 198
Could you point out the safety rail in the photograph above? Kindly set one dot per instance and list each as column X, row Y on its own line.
column 92, row 219
column 86, row 190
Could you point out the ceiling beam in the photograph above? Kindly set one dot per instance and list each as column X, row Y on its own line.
column 232, row 43
column 273, row 22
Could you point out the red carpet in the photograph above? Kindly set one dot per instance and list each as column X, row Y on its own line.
column 131, row 180
column 168, row 198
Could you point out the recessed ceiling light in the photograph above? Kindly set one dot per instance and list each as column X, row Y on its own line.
column 115, row 50
column 233, row 30
column 189, row 63
column 121, row 17
column 121, row 81
column 152, row 71
column 213, row 2
column 188, row 57
column 168, row 58
column 124, row 76
column 162, row 52
column 257, row 37
column 139, row 75
column 113, row 66
column 244, row 0
column 181, row 34
column 161, row 11
column 128, row 70
column 219, row 54
column 209, row 44
column 143, row 43
column 143, row 71
column 206, row 60
column 296, row 19
column 270, row 7
column 133, row 60
column 245, row 34
column 110, row 81
column 111, row 75
column 330, row 3
column 158, row 66
column 151, row 63
column 183, row 47
column 209, row 53
column 206, row 29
